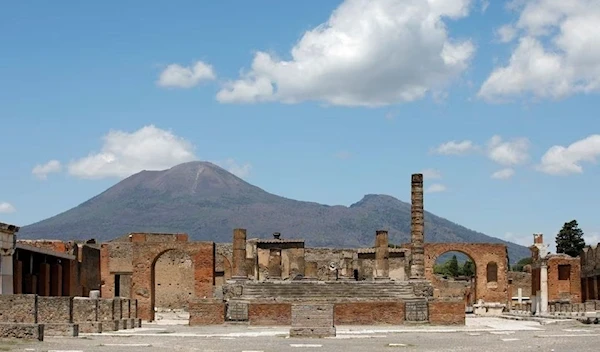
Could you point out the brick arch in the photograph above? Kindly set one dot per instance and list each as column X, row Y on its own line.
column 145, row 255
column 481, row 254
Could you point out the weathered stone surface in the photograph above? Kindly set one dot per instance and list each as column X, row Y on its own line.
column 313, row 332
column 106, row 308
column 22, row 331
column 18, row 308
column 89, row 327
column 85, row 309
column 55, row 310
column 239, row 254
column 382, row 255
column 206, row 312
column 61, row 329
column 237, row 310
column 417, row 227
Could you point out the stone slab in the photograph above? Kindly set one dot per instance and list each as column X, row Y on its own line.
column 89, row 327
column 313, row 332
column 22, row 331
column 61, row 329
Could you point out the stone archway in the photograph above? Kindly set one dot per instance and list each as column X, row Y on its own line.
column 482, row 254
column 172, row 281
column 145, row 255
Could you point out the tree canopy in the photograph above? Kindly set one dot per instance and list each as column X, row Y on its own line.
column 569, row 239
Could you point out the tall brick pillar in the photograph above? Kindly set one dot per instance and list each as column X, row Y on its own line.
column 239, row 255
column 44, row 280
column 417, row 228
column 56, row 280
column 382, row 255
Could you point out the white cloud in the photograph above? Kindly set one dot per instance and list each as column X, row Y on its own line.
column 124, row 153
column 368, row 53
column 557, row 54
column 6, row 208
column 506, row 33
column 455, row 148
column 240, row 170
column 431, row 174
column 436, row 188
column 185, row 77
column 508, row 153
column 41, row 171
column 484, row 5
column 559, row 160
column 503, row 174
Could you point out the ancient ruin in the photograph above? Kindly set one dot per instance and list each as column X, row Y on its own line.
column 66, row 287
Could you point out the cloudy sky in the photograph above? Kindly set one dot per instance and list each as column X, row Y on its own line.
column 496, row 102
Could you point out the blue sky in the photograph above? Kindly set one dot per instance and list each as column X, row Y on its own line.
column 496, row 102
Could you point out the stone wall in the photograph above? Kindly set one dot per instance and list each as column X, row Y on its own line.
column 446, row 312
column 269, row 313
column 206, row 312
column 55, row 309
column 521, row 280
column 18, row 308
column 369, row 313
column 174, row 280
column 489, row 289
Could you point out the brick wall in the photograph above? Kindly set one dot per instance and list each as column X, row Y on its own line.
column 369, row 313
column 206, row 312
column 564, row 289
column 270, row 313
column 447, row 312
column 18, row 308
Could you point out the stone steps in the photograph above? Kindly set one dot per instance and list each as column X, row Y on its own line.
column 325, row 291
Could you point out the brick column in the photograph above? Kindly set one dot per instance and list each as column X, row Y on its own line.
column 56, row 280
column 382, row 255
column 18, row 277
column 417, row 228
column 239, row 255
column 44, row 280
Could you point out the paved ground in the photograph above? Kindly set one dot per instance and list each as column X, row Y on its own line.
column 480, row 334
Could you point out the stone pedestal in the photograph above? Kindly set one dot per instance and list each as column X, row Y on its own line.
column 239, row 255
column 382, row 255
column 417, row 228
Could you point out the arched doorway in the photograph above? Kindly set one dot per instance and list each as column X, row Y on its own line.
column 172, row 285
column 490, row 262
column 455, row 277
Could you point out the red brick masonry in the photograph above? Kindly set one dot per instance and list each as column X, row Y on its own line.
column 270, row 313
column 447, row 312
column 206, row 312
column 369, row 313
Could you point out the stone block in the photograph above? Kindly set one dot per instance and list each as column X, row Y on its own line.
column 54, row 310
column 90, row 327
column 206, row 312
column 22, row 331
column 106, row 309
column 237, row 311
column 85, row 309
column 18, row 309
column 313, row 332
column 61, row 329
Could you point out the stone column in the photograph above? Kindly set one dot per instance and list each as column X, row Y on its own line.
column 44, row 280
column 239, row 255
column 56, row 280
column 417, row 228
column 18, row 277
column 382, row 255
column 275, row 264
column 7, row 250
column 543, row 288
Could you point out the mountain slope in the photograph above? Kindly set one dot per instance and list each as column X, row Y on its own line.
column 208, row 202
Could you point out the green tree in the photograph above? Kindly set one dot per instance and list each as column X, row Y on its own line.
column 521, row 264
column 570, row 239
column 468, row 269
column 453, row 266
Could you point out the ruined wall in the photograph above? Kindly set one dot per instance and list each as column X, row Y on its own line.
column 89, row 269
column 521, row 280
column 449, row 288
column 397, row 266
column 269, row 313
column 174, row 280
column 116, row 259
column 446, row 312
column 568, row 289
column 482, row 254
column 324, row 256
column 206, row 312
column 223, row 268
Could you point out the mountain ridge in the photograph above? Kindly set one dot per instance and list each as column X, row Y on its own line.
column 207, row 202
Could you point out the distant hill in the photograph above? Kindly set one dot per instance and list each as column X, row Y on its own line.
column 207, row 202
